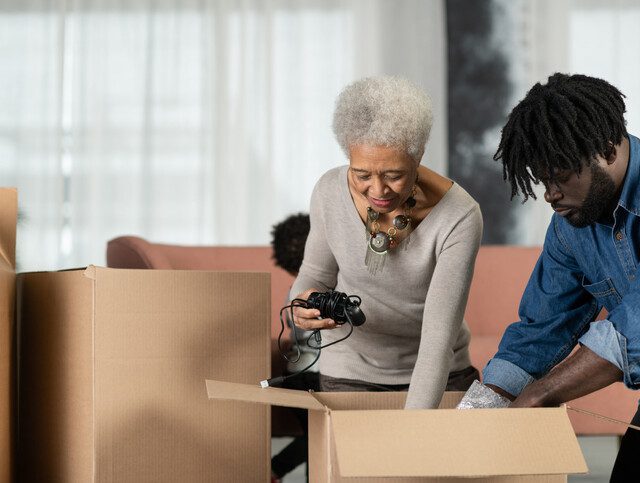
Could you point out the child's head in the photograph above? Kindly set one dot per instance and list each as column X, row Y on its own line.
column 288, row 240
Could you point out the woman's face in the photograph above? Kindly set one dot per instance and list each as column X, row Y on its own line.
column 383, row 175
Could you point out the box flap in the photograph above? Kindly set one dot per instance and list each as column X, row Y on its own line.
column 361, row 400
column 270, row 395
column 450, row 399
column 8, row 220
column 450, row 442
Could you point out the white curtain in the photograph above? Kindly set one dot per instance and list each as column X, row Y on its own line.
column 600, row 38
column 191, row 121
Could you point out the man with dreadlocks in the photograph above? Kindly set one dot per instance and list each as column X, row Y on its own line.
column 570, row 135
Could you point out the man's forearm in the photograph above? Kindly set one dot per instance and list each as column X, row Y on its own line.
column 580, row 374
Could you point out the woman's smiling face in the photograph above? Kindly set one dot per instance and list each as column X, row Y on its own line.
column 383, row 175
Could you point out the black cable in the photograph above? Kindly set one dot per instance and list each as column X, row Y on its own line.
column 329, row 305
column 294, row 303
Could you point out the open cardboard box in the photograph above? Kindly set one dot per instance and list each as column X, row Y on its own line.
column 8, row 215
column 111, row 364
column 369, row 437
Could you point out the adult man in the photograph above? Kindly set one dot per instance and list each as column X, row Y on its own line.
column 570, row 135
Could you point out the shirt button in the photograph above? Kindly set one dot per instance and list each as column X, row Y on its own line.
column 619, row 236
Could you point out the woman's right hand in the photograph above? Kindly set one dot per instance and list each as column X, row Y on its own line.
column 308, row 319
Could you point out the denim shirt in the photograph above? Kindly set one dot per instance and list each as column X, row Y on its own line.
column 580, row 271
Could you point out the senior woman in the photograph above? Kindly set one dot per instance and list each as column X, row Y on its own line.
column 401, row 237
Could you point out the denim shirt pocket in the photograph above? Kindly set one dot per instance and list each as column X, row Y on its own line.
column 604, row 292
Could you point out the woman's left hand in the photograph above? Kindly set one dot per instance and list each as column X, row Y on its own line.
column 308, row 319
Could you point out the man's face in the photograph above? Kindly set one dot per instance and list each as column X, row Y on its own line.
column 582, row 198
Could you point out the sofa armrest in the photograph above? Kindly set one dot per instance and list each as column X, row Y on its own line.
column 135, row 252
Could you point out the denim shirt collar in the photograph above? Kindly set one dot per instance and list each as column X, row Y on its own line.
column 630, row 196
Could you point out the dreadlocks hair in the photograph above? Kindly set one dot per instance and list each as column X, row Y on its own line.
column 288, row 240
column 562, row 125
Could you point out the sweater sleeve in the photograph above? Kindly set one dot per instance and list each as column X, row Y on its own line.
column 319, row 267
column 444, row 311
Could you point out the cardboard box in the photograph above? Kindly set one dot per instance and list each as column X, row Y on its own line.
column 111, row 368
column 369, row 437
column 8, row 217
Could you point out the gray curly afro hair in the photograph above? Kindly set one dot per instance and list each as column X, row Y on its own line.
column 383, row 111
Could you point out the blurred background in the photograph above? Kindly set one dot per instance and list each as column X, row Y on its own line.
column 207, row 121
column 204, row 122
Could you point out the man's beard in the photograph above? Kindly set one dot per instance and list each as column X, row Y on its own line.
column 600, row 200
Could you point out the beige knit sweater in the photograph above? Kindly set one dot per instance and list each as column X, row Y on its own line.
column 414, row 331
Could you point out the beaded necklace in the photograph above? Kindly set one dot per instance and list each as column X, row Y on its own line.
column 378, row 242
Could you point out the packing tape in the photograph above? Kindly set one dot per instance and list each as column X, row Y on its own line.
column 600, row 416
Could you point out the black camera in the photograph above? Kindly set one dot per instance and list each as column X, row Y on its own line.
column 337, row 306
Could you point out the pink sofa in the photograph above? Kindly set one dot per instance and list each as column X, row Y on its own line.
column 501, row 274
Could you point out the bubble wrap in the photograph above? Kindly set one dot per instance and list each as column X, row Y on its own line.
column 480, row 396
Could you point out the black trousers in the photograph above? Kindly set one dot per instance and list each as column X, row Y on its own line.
column 458, row 381
column 626, row 468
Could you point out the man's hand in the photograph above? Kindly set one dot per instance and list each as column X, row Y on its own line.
column 307, row 319
column 580, row 374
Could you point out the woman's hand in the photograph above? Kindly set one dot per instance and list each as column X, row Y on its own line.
column 308, row 319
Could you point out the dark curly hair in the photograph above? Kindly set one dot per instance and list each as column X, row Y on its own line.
column 561, row 125
column 288, row 239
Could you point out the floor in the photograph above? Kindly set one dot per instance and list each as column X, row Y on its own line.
column 297, row 475
column 599, row 452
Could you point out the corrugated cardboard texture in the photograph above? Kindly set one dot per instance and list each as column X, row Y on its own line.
column 8, row 218
column 323, row 459
column 450, row 399
column 7, row 297
column 322, row 452
column 56, row 377
column 156, row 336
column 377, row 400
column 330, row 471
column 319, row 447
column 529, row 442
column 339, row 401
column 271, row 395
